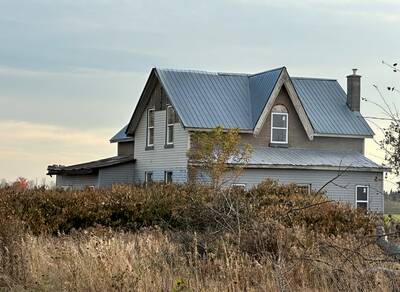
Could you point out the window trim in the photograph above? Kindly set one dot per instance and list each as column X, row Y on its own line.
column 239, row 185
column 309, row 187
column 362, row 201
column 166, row 175
column 167, row 127
column 148, row 145
column 145, row 177
column 280, row 128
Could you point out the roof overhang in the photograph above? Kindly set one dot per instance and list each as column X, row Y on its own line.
column 342, row 136
column 89, row 167
column 318, row 167
column 284, row 80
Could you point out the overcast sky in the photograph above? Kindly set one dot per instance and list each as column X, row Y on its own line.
column 71, row 72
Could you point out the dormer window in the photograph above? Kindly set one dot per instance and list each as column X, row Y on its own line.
column 279, row 125
column 150, row 127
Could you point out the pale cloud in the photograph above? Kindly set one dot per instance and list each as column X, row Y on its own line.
column 27, row 148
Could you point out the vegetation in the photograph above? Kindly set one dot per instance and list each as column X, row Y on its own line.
column 217, row 153
column 187, row 238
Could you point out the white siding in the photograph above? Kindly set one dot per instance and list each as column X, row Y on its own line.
column 77, row 181
column 160, row 159
column 118, row 174
column 343, row 189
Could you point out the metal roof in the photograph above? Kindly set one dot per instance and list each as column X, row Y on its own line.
column 325, row 103
column 89, row 167
column 207, row 99
column 121, row 136
column 305, row 158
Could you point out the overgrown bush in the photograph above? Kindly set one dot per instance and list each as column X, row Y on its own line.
column 188, row 238
column 180, row 207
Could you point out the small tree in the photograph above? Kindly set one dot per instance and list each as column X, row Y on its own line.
column 218, row 152
column 20, row 184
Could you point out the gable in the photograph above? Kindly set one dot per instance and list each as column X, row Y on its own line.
column 285, row 82
column 153, row 95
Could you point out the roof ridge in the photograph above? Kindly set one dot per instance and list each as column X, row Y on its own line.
column 267, row 71
column 314, row 78
column 202, row 71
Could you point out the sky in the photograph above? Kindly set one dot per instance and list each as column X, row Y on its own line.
column 71, row 72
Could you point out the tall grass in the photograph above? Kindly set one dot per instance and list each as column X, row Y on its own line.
column 187, row 238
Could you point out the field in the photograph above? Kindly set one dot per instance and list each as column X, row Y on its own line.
column 188, row 238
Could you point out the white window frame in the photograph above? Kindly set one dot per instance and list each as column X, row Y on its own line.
column 362, row 201
column 309, row 186
column 145, row 177
column 150, row 127
column 169, row 125
column 279, row 128
column 166, row 176
column 239, row 185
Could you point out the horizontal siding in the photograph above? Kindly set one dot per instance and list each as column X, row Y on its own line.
column 77, row 181
column 342, row 190
column 161, row 159
column 118, row 174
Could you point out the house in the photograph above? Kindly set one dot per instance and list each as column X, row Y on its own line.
column 303, row 130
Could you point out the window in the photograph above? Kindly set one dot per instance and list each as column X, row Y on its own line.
column 150, row 127
column 239, row 186
column 362, row 194
column 148, row 177
column 168, row 177
column 279, row 125
column 304, row 188
column 171, row 120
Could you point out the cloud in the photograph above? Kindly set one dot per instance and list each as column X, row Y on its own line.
column 27, row 148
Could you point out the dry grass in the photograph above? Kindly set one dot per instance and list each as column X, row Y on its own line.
column 281, row 244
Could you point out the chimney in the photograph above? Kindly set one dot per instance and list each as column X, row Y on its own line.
column 353, row 91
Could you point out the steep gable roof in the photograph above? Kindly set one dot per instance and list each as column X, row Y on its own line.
column 204, row 100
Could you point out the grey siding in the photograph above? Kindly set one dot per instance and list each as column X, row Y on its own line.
column 77, row 181
column 119, row 174
column 125, row 148
column 161, row 159
column 342, row 190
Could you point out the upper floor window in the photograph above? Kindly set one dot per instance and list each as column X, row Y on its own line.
column 362, row 194
column 279, row 125
column 171, row 120
column 150, row 127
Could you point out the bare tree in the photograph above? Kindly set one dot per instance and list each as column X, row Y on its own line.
column 218, row 152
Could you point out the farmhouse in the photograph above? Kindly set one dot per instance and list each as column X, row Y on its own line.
column 302, row 130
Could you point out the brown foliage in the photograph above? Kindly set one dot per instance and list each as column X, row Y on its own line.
column 177, row 237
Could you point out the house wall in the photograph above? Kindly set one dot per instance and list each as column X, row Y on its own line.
column 297, row 136
column 342, row 190
column 125, row 148
column 77, row 181
column 160, row 159
column 117, row 174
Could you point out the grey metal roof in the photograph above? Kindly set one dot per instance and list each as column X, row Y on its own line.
column 299, row 158
column 324, row 101
column 261, row 86
column 207, row 99
column 121, row 136
column 89, row 167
